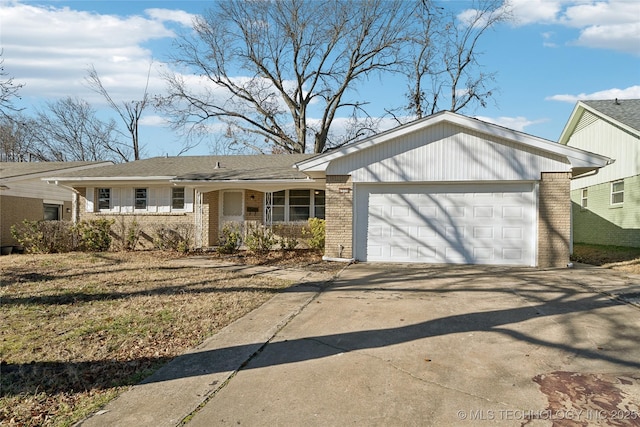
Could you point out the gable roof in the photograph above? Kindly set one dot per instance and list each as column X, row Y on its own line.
column 580, row 160
column 624, row 113
column 196, row 169
column 21, row 170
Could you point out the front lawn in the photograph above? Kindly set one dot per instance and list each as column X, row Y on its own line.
column 77, row 329
column 614, row 257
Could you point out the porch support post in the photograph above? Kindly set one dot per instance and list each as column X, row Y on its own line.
column 268, row 208
column 198, row 219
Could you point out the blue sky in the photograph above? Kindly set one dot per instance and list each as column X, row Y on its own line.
column 554, row 53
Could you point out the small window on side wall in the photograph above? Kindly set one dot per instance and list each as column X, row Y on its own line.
column 141, row 198
column 104, row 199
column 177, row 198
column 584, row 200
column 617, row 192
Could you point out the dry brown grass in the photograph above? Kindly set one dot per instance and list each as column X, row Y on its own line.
column 77, row 329
column 614, row 257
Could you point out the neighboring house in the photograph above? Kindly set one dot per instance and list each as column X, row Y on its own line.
column 443, row 189
column 23, row 195
column 606, row 204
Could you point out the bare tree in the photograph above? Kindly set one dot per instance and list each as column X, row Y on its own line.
column 70, row 131
column 17, row 140
column 129, row 111
column 444, row 72
column 264, row 66
column 8, row 91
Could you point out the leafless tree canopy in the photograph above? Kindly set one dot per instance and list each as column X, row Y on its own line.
column 70, row 131
column 129, row 111
column 17, row 139
column 276, row 74
column 443, row 69
column 8, row 92
column 263, row 66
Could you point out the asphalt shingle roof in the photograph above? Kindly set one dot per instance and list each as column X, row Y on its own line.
column 205, row 168
column 626, row 111
column 15, row 169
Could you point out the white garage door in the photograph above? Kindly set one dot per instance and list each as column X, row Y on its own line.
column 466, row 224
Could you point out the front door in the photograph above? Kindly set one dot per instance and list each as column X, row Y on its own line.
column 232, row 207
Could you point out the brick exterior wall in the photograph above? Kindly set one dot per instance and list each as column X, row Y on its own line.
column 339, row 217
column 13, row 210
column 600, row 223
column 554, row 219
column 148, row 222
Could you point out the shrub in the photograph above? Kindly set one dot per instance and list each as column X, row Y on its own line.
column 230, row 238
column 287, row 236
column 95, row 234
column 127, row 234
column 46, row 236
column 179, row 238
column 260, row 239
column 63, row 236
column 316, row 233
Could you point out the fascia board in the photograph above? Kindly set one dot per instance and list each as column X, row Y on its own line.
column 107, row 179
column 48, row 173
column 571, row 123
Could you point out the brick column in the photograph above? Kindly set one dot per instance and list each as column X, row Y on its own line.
column 554, row 219
column 210, row 218
column 339, row 217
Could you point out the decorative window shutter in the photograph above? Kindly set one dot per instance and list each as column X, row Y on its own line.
column 164, row 199
column 188, row 199
column 118, row 202
column 153, row 196
column 90, row 194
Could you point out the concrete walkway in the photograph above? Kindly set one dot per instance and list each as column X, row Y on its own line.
column 410, row 345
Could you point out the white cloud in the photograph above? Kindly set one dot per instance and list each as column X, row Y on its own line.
column 622, row 37
column 535, row 11
column 632, row 92
column 49, row 49
column 164, row 15
column 516, row 123
column 608, row 24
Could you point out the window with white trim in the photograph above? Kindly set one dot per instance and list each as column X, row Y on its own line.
column 104, row 199
column 583, row 198
column 617, row 192
column 177, row 198
column 297, row 205
column 140, row 198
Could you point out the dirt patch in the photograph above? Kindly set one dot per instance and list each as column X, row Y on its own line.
column 577, row 399
column 77, row 329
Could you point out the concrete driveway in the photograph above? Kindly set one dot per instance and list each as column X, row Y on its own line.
column 421, row 345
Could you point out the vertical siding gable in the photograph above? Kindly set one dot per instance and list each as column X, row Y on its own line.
column 446, row 152
column 603, row 137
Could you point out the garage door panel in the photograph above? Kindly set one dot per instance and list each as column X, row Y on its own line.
column 484, row 224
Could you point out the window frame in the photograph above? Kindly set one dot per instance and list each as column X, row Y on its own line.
column 174, row 198
column 584, row 198
column 145, row 199
column 287, row 206
column 619, row 192
column 51, row 207
column 101, row 199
